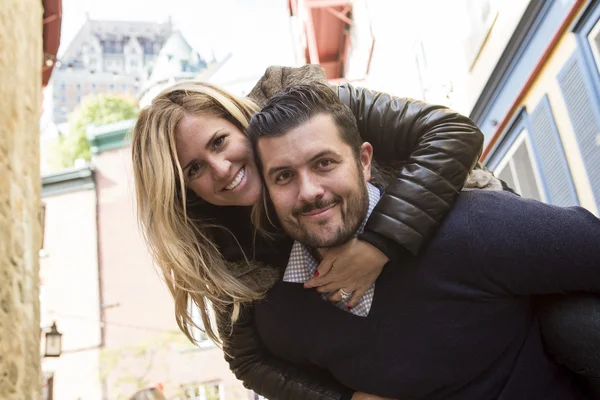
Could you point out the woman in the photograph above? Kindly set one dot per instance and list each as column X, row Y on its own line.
column 191, row 159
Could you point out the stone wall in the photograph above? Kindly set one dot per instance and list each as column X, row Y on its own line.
column 20, row 230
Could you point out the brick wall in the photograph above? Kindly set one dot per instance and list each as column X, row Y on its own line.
column 20, row 231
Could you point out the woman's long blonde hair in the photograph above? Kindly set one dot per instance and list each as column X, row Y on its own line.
column 191, row 264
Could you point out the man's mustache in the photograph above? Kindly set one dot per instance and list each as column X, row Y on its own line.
column 315, row 205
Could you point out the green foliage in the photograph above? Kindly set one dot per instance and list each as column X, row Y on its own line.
column 130, row 368
column 98, row 109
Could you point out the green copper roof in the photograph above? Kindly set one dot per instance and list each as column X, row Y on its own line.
column 110, row 136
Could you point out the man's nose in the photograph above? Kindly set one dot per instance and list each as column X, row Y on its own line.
column 309, row 189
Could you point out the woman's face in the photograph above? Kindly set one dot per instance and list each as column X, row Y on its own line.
column 217, row 161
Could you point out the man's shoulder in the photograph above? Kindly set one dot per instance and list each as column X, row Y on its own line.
column 494, row 201
column 496, row 210
column 475, row 211
column 483, row 196
column 491, row 205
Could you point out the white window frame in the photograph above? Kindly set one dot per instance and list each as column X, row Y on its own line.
column 508, row 159
column 201, row 387
column 590, row 38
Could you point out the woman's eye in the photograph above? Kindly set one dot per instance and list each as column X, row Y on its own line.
column 218, row 142
column 194, row 169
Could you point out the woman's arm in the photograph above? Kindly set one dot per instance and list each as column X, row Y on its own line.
column 425, row 152
column 267, row 375
column 432, row 150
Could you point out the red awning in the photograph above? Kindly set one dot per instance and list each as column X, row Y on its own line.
column 327, row 27
column 51, row 35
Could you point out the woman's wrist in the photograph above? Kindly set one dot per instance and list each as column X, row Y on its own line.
column 392, row 250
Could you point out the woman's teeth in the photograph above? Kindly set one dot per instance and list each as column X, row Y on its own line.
column 237, row 180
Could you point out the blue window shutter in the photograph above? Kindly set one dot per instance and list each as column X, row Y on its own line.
column 583, row 111
column 555, row 170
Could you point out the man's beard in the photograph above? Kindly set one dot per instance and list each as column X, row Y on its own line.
column 352, row 217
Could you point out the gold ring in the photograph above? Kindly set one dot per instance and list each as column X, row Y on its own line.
column 345, row 295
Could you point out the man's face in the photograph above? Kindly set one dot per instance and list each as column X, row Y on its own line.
column 316, row 183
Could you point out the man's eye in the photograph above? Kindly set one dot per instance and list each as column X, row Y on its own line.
column 324, row 163
column 283, row 177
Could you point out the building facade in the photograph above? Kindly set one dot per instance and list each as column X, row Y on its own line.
column 176, row 61
column 106, row 56
column 458, row 46
column 69, row 283
column 539, row 108
column 101, row 287
column 527, row 73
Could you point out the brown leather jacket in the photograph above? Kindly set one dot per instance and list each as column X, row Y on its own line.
column 432, row 149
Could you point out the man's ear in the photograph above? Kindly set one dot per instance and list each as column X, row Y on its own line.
column 366, row 156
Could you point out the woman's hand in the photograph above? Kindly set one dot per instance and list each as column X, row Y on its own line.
column 367, row 396
column 354, row 266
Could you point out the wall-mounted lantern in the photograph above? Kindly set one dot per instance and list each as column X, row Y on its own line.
column 53, row 342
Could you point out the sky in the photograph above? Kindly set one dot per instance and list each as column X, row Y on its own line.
column 209, row 25
column 258, row 32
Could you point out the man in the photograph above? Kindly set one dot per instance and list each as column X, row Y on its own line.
column 457, row 322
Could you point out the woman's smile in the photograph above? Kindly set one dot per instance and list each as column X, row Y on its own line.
column 239, row 177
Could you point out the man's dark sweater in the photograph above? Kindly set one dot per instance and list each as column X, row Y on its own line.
column 457, row 321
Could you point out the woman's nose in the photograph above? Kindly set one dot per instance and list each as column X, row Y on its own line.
column 220, row 169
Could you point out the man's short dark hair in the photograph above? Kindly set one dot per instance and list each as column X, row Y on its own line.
column 295, row 106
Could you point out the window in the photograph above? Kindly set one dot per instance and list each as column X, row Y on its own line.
column 519, row 170
column 47, row 385
column 203, row 391
column 147, row 47
column 594, row 40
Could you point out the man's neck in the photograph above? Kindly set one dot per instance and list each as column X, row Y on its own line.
column 318, row 254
